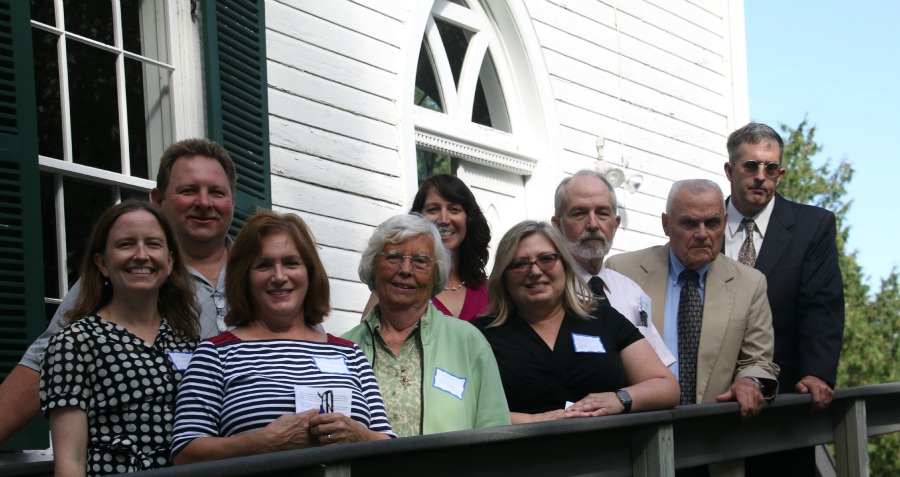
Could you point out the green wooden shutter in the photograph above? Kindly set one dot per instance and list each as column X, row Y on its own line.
column 21, row 286
column 234, row 51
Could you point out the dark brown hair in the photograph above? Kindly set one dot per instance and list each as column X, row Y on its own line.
column 246, row 250
column 176, row 302
column 473, row 251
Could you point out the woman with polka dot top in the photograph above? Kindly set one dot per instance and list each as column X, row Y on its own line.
column 109, row 378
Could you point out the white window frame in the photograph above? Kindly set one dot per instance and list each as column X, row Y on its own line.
column 180, row 45
column 453, row 132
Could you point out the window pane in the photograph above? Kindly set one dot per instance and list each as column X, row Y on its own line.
column 141, row 28
column 90, row 18
column 429, row 163
column 43, row 11
column 85, row 203
column 489, row 107
column 48, row 234
column 428, row 93
column 94, row 106
column 480, row 112
column 46, row 82
column 456, row 42
column 133, row 194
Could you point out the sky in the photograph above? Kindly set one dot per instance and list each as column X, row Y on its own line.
column 837, row 63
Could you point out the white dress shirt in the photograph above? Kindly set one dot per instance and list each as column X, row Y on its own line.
column 630, row 300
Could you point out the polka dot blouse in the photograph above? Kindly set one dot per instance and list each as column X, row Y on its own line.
column 126, row 387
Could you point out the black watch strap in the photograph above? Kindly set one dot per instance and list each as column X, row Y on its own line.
column 625, row 399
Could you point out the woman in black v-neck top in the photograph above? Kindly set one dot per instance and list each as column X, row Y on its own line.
column 555, row 360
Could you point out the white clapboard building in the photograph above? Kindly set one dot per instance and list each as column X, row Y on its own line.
column 334, row 108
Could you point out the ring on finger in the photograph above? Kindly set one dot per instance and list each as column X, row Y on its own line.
column 329, row 438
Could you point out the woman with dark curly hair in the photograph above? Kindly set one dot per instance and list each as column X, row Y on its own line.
column 447, row 202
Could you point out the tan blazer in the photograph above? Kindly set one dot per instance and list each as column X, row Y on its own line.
column 736, row 338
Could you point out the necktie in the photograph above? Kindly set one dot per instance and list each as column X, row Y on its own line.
column 596, row 284
column 747, row 255
column 690, row 318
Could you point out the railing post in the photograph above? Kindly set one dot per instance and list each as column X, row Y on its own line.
column 653, row 451
column 850, row 438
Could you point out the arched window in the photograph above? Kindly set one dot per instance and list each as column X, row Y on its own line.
column 464, row 95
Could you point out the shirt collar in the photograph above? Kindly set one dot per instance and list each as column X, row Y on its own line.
column 675, row 269
column 761, row 219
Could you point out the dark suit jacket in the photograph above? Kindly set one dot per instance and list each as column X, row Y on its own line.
column 806, row 293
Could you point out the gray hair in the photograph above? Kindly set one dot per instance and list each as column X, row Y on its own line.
column 753, row 133
column 695, row 186
column 561, row 190
column 399, row 229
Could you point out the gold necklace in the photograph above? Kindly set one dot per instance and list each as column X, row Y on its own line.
column 457, row 287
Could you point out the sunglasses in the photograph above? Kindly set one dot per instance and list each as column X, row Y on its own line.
column 772, row 168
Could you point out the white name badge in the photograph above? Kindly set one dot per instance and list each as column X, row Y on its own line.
column 587, row 344
column 326, row 400
column 180, row 359
column 453, row 385
column 331, row 365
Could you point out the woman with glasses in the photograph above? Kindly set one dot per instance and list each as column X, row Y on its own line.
column 275, row 381
column 447, row 202
column 437, row 373
column 556, row 361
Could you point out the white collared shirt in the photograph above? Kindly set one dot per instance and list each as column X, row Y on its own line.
column 629, row 299
column 736, row 233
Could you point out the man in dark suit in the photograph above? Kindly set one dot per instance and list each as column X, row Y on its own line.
column 794, row 246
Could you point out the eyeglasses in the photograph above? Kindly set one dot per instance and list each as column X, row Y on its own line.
column 395, row 259
column 750, row 167
column 544, row 262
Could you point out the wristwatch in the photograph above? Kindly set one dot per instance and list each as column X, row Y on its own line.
column 625, row 399
column 762, row 387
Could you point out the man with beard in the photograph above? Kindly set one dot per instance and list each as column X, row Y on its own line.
column 195, row 190
column 587, row 215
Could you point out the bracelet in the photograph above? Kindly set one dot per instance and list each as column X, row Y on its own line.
column 762, row 387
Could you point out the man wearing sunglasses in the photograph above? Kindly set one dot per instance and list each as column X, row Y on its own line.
column 794, row 246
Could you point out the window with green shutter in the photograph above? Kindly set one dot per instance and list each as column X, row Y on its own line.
column 237, row 101
column 21, row 280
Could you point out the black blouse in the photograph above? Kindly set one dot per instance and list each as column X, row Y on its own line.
column 584, row 360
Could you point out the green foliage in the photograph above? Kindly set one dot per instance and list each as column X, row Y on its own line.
column 871, row 347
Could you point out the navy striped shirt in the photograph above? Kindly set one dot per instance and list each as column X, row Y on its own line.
column 234, row 386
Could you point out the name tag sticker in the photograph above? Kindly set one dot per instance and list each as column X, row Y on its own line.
column 180, row 359
column 450, row 384
column 587, row 344
column 331, row 365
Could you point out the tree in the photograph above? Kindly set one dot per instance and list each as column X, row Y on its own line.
column 871, row 347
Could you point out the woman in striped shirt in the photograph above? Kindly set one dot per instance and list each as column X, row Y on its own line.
column 275, row 382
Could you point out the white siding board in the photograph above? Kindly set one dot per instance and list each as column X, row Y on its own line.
column 334, row 38
column 341, row 264
column 650, row 140
column 363, row 20
column 399, row 10
column 694, row 64
column 330, row 203
column 325, row 64
column 303, row 111
column 331, row 232
column 340, row 149
column 632, row 114
column 682, row 17
column 641, row 73
column 332, row 175
column 340, row 321
column 360, row 103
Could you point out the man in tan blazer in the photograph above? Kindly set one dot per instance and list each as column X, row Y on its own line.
column 733, row 357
